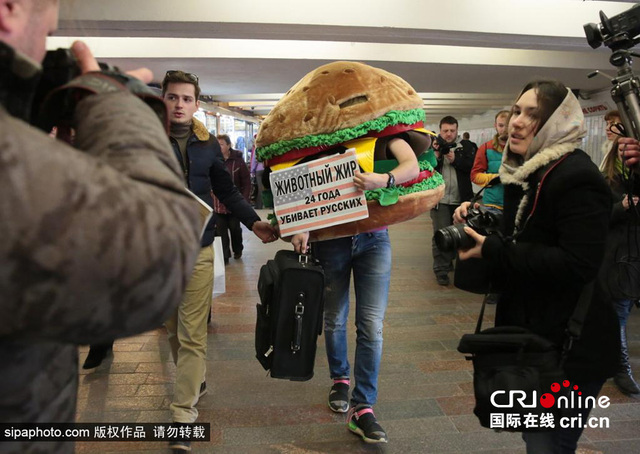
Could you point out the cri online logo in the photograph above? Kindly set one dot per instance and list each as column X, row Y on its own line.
column 548, row 400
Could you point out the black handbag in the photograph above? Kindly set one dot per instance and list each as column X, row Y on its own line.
column 518, row 375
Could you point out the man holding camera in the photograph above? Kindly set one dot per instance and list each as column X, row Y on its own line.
column 103, row 248
column 454, row 164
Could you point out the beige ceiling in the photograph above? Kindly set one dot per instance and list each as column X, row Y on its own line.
column 465, row 57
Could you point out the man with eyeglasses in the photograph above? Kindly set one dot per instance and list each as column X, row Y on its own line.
column 201, row 161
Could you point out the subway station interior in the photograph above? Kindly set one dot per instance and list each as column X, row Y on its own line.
column 465, row 58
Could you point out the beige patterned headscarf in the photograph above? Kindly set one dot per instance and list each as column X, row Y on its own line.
column 561, row 134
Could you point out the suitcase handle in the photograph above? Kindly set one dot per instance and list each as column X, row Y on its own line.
column 298, row 311
column 307, row 259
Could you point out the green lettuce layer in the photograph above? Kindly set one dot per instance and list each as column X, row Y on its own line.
column 389, row 196
column 391, row 118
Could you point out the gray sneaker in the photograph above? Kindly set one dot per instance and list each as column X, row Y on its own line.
column 339, row 397
column 443, row 279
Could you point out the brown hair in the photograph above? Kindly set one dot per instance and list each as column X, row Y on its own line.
column 609, row 169
column 180, row 77
column 502, row 113
column 549, row 94
column 224, row 137
column 611, row 115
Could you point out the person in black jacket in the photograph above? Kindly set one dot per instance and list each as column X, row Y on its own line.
column 201, row 161
column 620, row 273
column 228, row 224
column 466, row 139
column 454, row 163
column 556, row 215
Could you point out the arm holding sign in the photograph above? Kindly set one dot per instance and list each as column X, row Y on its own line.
column 407, row 168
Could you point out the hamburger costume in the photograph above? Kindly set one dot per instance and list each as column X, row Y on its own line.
column 352, row 105
column 339, row 106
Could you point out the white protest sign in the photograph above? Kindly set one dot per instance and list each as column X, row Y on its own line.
column 318, row 194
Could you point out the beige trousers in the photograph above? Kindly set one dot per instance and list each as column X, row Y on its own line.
column 187, row 330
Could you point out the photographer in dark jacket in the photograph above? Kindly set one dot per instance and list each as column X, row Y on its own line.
column 556, row 216
column 199, row 155
column 454, row 164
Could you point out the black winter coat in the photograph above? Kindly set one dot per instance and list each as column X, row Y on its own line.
column 463, row 163
column 619, row 274
column 558, row 250
column 206, row 172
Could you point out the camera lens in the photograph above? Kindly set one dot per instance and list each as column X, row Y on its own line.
column 594, row 36
column 452, row 238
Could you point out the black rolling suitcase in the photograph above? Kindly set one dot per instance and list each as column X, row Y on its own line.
column 291, row 288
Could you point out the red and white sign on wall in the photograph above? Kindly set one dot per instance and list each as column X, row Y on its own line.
column 597, row 108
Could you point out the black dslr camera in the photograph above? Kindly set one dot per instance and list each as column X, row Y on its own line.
column 59, row 67
column 444, row 147
column 62, row 86
column 480, row 219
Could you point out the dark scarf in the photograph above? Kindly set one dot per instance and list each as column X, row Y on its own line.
column 181, row 133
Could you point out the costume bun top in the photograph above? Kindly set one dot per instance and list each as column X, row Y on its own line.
column 334, row 103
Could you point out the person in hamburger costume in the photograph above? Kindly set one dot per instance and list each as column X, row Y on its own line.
column 339, row 106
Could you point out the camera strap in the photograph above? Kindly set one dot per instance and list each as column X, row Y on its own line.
column 494, row 182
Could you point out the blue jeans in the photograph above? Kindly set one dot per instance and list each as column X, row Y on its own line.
column 623, row 308
column 558, row 440
column 368, row 255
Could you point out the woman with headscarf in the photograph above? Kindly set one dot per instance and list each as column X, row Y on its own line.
column 556, row 215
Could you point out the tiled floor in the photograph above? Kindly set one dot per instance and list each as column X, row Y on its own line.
column 425, row 395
